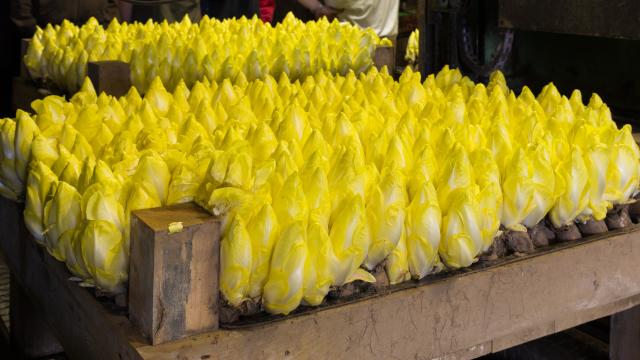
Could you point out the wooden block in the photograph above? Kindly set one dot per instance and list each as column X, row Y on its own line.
column 28, row 329
column 111, row 77
column 624, row 342
column 173, row 277
column 385, row 56
column 24, row 45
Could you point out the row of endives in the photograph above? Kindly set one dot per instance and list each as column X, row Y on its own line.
column 317, row 181
column 210, row 49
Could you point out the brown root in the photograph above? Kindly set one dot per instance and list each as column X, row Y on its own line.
column 618, row 217
column 497, row 249
column 249, row 307
column 382, row 280
column 567, row 233
column 592, row 227
column 634, row 209
column 228, row 314
column 518, row 241
column 541, row 235
column 348, row 290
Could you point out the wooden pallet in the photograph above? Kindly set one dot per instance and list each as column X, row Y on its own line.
column 463, row 315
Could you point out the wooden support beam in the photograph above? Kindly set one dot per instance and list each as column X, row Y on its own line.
column 111, row 77
column 173, row 277
column 426, row 32
column 624, row 340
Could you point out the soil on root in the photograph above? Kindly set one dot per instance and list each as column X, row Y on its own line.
column 541, row 235
column 567, row 232
column 618, row 217
column 592, row 227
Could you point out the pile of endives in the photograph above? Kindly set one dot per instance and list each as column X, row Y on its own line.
column 317, row 182
column 210, row 49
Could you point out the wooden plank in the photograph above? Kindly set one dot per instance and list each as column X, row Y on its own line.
column 85, row 328
column 501, row 306
column 173, row 277
column 563, row 323
column 579, row 17
column 111, row 77
column 624, row 342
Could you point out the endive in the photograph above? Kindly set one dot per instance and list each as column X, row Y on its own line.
column 26, row 131
column 573, row 176
column 285, row 286
column 386, row 216
column 235, row 262
column 103, row 254
column 62, row 213
column 622, row 174
column 518, row 189
column 41, row 182
column 350, row 238
column 397, row 265
column 11, row 186
column 455, row 174
column 317, row 270
column 461, row 229
column 423, row 231
column 263, row 231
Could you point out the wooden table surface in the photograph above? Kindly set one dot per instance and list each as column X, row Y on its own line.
column 464, row 315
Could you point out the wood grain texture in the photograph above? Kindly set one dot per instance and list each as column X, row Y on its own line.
column 173, row 278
